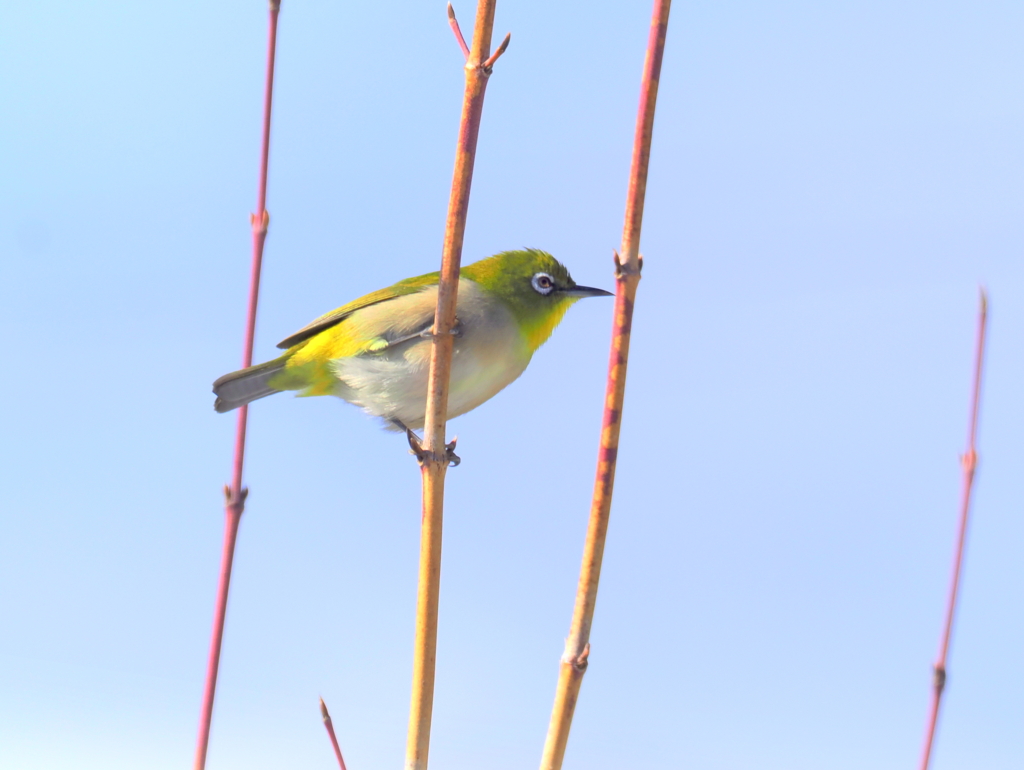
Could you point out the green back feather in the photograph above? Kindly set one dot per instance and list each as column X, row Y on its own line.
column 326, row 321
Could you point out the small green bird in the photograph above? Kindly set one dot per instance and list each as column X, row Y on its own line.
column 375, row 352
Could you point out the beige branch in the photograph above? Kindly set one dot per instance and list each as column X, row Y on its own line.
column 434, row 455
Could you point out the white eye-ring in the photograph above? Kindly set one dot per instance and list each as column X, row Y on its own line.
column 543, row 283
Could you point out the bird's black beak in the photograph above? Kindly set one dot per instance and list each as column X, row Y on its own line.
column 586, row 291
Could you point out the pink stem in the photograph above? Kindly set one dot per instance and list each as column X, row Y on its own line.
column 235, row 493
column 969, row 462
column 454, row 24
column 330, row 732
column 627, row 269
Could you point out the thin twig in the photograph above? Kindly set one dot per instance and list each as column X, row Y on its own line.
column 627, row 273
column 330, row 731
column 489, row 64
column 434, row 455
column 454, row 24
column 969, row 461
column 235, row 494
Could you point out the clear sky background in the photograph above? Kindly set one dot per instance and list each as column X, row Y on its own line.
column 830, row 183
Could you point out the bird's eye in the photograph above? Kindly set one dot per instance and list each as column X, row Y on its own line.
column 542, row 283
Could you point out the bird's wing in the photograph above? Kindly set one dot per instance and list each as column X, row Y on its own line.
column 400, row 289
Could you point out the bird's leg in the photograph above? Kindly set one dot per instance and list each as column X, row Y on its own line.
column 415, row 445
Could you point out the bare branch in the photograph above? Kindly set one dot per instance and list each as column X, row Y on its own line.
column 969, row 462
column 433, row 454
column 235, row 494
column 627, row 278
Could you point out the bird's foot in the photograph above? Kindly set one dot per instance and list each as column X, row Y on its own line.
column 455, row 332
column 416, row 448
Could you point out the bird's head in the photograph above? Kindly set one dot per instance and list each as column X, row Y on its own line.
column 535, row 286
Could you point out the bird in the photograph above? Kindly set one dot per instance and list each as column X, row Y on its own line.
column 374, row 352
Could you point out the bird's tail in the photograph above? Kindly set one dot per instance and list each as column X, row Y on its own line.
column 246, row 385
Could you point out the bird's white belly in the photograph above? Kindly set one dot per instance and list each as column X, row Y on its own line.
column 488, row 354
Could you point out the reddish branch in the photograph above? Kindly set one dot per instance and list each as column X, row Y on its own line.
column 330, row 732
column 969, row 462
column 433, row 454
column 454, row 24
column 627, row 275
column 235, row 494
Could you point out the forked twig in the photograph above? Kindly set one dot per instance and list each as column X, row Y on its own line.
column 433, row 454
column 969, row 461
column 235, row 494
column 330, row 732
column 487, row 65
column 627, row 274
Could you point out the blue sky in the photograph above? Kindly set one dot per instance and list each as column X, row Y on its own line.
column 830, row 183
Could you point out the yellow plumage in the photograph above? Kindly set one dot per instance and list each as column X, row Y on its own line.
column 375, row 351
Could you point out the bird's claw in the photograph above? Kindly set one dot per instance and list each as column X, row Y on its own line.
column 455, row 332
column 231, row 501
column 449, row 453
